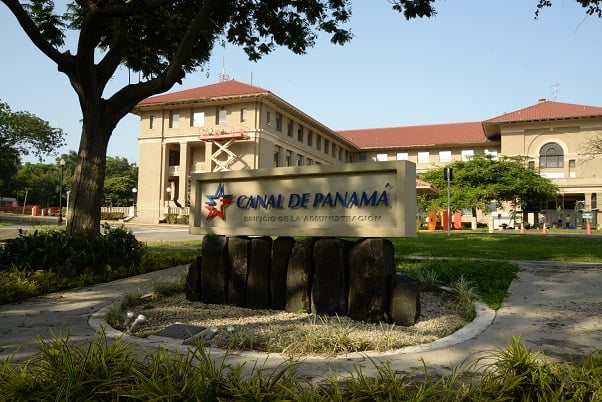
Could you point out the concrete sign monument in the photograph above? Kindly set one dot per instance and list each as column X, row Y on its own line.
column 354, row 199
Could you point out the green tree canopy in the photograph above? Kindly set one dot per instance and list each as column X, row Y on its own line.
column 478, row 182
column 22, row 133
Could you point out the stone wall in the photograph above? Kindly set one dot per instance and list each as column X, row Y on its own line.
column 327, row 276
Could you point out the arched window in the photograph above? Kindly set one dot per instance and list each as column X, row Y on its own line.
column 551, row 156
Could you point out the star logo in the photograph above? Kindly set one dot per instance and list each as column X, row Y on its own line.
column 218, row 202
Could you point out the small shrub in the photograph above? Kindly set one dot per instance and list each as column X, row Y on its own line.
column 52, row 251
column 466, row 295
column 111, row 216
column 166, row 288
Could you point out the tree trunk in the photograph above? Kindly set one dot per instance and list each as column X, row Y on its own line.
column 88, row 180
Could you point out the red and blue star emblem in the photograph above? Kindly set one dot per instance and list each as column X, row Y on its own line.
column 218, row 202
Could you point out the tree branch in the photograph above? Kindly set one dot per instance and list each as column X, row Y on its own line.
column 63, row 60
column 125, row 99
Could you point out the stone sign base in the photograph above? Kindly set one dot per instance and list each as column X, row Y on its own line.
column 324, row 276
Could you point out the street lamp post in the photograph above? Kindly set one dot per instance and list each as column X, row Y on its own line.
column 134, row 191
column 62, row 164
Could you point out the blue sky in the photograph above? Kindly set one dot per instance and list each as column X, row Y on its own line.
column 475, row 60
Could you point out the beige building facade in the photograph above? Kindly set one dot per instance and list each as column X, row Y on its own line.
column 235, row 126
column 222, row 127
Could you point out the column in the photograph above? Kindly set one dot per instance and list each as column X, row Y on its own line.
column 208, row 153
column 184, row 173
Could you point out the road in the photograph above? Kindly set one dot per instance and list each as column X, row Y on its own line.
column 143, row 232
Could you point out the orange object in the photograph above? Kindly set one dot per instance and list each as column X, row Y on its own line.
column 588, row 229
column 545, row 229
column 522, row 229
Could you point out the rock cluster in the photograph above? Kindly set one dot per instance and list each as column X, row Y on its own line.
column 324, row 276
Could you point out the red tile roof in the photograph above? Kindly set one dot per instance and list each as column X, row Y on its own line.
column 548, row 110
column 221, row 89
column 433, row 134
column 423, row 187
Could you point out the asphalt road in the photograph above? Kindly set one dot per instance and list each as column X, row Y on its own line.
column 143, row 232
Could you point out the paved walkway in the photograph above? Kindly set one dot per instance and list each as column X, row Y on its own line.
column 554, row 307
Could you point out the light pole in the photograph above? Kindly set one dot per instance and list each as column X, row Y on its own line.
column 27, row 189
column 134, row 191
column 62, row 164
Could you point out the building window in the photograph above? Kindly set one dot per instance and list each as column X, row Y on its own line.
column 531, row 165
column 289, row 158
column 174, row 120
column 445, row 156
column 198, row 119
column 277, row 155
column 289, row 128
column 222, row 115
column 151, row 122
column 551, row 156
column 268, row 118
column 424, row 157
column 310, row 161
column 318, row 142
column 174, row 158
column 326, row 145
column 572, row 168
column 467, row 154
column 362, row 156
column 402, row 156
column 382, row 157
column 333, row 149
column 299, row 160
column 492, row 153
column 300, row 134
column 310, row 138
column 243, row 114
column 279, row 121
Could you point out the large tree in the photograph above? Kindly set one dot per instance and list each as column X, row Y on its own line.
column 21, row 134
column 482, row 180
column 164, row 40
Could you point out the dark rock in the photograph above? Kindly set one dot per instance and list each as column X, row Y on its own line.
column 193, row 280
column 299, row 277
column 329, row 287
column 215, row 270
column 281, row 252
column 371, row 266
column 238, row 261
column 404, row 303
column 258, row 280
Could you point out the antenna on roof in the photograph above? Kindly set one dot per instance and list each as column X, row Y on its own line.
column 555, row 89
column 222, row 76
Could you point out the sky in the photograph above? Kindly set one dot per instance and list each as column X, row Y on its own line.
column 476, row 59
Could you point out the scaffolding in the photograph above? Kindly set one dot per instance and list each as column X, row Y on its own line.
column 223, row 138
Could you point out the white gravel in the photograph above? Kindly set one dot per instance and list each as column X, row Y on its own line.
column 300, row 333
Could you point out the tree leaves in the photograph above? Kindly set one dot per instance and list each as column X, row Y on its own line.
column 482, row 180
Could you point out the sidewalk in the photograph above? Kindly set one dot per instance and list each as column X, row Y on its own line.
column 554, row 308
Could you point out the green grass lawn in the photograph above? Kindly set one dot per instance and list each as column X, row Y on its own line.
column 501, row 246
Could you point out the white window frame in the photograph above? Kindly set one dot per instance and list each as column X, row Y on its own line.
column 467, row 154
column 174, row 120
column 222, row 117
column 402, row 156
column 445, row 156
column 424, row 157
column 382, row 157
column 491, row 152
column 198, row 119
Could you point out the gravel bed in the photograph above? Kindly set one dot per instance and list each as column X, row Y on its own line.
column 300, row 333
